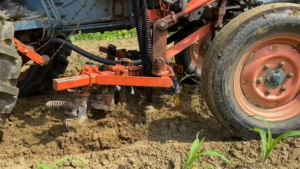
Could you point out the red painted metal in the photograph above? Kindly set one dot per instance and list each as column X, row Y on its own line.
column 188, row 41
column 117, row 75
column 27, row 51
column 251, row 95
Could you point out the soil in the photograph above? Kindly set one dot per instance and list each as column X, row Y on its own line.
column 156, row 135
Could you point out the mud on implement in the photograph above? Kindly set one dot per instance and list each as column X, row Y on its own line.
column 247, row 53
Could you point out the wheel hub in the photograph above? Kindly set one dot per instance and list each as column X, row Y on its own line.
column 274, row 77
column 270, row 77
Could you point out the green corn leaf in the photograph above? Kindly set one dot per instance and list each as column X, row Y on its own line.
column 217, row 154
column 205, row 164
column 270, row 139
column 187, row 76
column 195, row 147
column 278, row 139
column 263, row 139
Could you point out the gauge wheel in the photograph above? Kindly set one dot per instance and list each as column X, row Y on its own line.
column 253, row 68
column 39, row 79
column 192, row 58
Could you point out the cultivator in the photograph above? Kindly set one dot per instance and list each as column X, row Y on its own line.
column 250, row 66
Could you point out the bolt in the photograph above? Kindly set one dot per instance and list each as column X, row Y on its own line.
column 283, row 88
column 271, row 47
column 290, row 75
column 162, row 24
column 282, row 63
column 41, row 62
column 266, row 66
column 259, row 80
column 25, row 51
column 268, row 92
column 121, row 71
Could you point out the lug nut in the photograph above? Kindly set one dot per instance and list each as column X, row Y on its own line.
column 283, row 88
column 266, row 66
column 259, row 80
column 271, row 47
column 268, row 92
column 282, row 63
column 290, row 75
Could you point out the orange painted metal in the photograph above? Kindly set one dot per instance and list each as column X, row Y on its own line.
column 195, row 4
column 116, row 75
column 29, row 52
column 188, row 41
column 278, row 105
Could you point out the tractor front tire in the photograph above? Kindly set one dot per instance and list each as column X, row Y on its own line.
column 252, row 68
column 10, row 67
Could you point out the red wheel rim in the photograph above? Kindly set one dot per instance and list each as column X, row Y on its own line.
column 198, row 50
column 267, row 78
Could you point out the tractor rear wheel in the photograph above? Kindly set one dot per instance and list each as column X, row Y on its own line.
column 10, row 67
column 253, row 68
column 192, row 57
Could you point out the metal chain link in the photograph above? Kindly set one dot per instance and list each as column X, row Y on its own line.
column 84, row 5
column 62, row 45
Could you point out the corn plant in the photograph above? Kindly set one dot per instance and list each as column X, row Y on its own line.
column 269, row 145
column 187, row 76
column 193, row 155
column 58, row 163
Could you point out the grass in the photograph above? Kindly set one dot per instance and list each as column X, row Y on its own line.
column 58, row 163
column 269, row 144
column 108, row 35
column 194, row 155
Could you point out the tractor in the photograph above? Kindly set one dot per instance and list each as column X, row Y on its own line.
column 246, row 51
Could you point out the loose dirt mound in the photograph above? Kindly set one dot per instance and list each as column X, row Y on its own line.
column 132, row 136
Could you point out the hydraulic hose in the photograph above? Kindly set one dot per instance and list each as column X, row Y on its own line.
column 147, row 44
column 88, row 55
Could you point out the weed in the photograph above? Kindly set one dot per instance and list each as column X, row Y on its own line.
column 193, row 155
column 58, row 163
column 269, row 145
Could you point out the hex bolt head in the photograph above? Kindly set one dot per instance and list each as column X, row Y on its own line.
column 283, row 88
column 282, row 63
column 268, row 92
column 259, row 80
column 290, row 75
column 266, row 66
column 162, row 24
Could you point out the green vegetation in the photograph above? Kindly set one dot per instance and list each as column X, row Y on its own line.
column 269, row 145
column 193, row 155
column 58, row 163
column 108, row 36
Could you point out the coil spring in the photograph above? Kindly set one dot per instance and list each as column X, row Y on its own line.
column 63, row 105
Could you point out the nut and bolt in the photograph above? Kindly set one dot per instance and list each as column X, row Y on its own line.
column 268, row 92
column 290, row 75
column 283, row 88
column 25, row 51
column 259, row 80
column 162, row 24
column 266, row 66
column 282, row 63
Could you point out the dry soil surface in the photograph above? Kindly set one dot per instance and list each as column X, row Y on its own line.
column 133, row 135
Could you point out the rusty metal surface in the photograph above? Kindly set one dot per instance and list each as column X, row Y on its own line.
column 220, row 12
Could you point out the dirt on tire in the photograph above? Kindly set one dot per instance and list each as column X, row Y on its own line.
column 153, row 135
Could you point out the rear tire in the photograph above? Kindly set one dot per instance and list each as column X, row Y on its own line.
column 225, row 55
column 10, row 67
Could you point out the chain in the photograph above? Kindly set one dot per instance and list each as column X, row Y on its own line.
column 84, row 5
column 62, row 45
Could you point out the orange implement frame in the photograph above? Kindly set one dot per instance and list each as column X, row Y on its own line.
column 188, row 41
column 92, row 76
column 29, row 52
